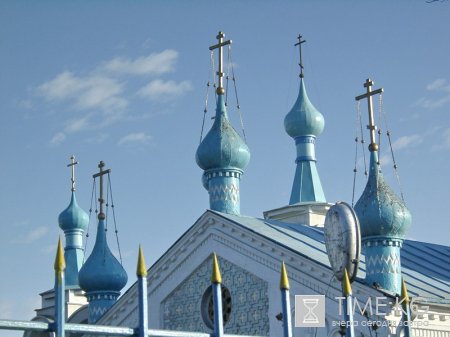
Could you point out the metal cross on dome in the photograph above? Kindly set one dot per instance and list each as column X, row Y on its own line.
column 299, row 44
column 101, row 165
column 220, row 73
column 368, row 84
column 72, row 166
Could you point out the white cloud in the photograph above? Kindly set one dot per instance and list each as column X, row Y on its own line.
column 97, row 139
column 440, row 88
column 57, row 139
column 406, row 141
column 159, row 89
column 88, row 92
column 77, row 124
column 153, row 64
column 439, row 85
column 444, row 141
column 34, row 235
column 135, row 138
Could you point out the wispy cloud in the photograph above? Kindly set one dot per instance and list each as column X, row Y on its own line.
column 153, row 64
column 135, row 138
column 159, row 89
column 440, row 89
column 444, row 140
column 57, row 139
column 101, row 97
column 407, row 141
column 33, row 235
column 88, row 92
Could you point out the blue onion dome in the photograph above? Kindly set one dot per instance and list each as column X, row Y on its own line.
column 73, row 217
column 102, row 272
column 303, row 119
column 380, row 211
column 222, row 147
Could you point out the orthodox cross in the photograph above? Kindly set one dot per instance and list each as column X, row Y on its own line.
column 220, row 73
column 72, row 166
column 299, row 44
column 373, row 145
column 101, row 165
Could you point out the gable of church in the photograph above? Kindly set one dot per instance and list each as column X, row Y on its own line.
column 245, row 301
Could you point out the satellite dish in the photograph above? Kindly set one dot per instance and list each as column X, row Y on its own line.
column 343, row 240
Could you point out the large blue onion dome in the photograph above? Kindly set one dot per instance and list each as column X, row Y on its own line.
column 380, row 211
column 73, row 217
column 303, row 119
column 222, row 147
column 102, row 272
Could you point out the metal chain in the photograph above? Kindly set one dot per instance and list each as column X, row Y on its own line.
column 355, row 169
column 236, row 94
column 388, row 133
column 114, row 217
column 208, row 85
column 93, row 197
column 362, row 138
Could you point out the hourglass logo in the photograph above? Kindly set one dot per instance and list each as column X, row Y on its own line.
column 309, row 310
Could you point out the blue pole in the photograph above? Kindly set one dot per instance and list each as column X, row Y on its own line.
column 216, row 281
column 285, row 302
column 60, row 266
column 406, row 313
column 348, row 305
column 143, row 301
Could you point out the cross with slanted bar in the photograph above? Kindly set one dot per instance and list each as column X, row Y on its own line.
column 299, row 44
column 373, row 145
column 72, row 165
column 101, row 165
column 220, row 73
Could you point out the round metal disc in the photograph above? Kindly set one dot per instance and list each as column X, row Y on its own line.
column 343, row 240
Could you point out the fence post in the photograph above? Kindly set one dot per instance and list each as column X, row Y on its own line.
column 348, row 305
column 60, row 266
column 406, row 313
column 141, row 273
column 285, row 302
column 216, row 280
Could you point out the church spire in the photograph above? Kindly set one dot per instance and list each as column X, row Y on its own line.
column 222, row 154
column 383, row 217
column 73, row 221
column 102, row 276
column 304, row 123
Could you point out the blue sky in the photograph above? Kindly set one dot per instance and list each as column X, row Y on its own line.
column 125, row 83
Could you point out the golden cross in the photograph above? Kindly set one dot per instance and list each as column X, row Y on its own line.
column 373, row 145
column 220, row 73
column 299, row 44
column 72, row 165
column 101, row 165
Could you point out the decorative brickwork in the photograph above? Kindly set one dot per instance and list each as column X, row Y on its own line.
column 182, row 309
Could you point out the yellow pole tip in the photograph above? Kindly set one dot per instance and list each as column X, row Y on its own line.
column 216, row 276
column 284, row 280
column 405, row 296
column 346, row 287
column 60, row 263
column 141, row 270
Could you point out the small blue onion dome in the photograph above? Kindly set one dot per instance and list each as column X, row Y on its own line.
column 303, row 119
column 102, row 272
column 380, row 211
column 222, row 147
column 73, row 217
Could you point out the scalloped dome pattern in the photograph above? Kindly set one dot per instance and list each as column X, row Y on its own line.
column 380, row 211
column 222, row 147
column 102, row 272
